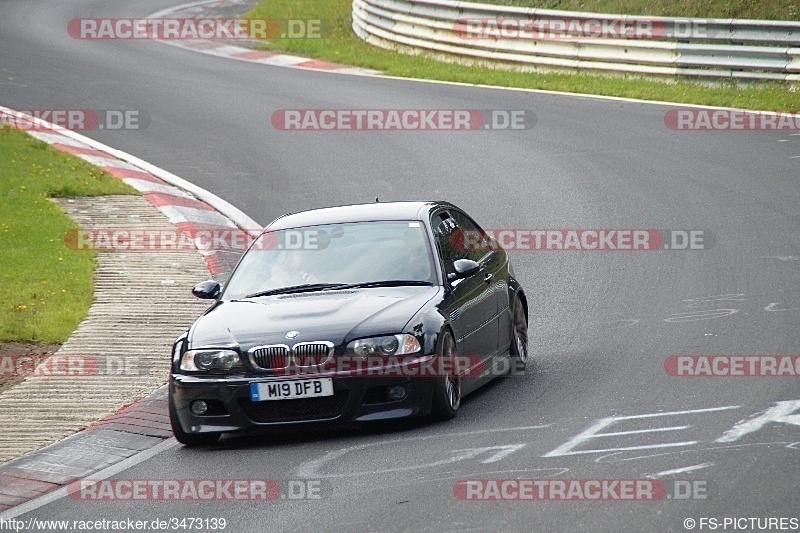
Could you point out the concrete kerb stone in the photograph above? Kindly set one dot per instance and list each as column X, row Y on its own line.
column 55, row 429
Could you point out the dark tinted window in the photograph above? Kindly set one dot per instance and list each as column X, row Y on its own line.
column 458, row 238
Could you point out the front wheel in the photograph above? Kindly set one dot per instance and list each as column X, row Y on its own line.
column 447, row 391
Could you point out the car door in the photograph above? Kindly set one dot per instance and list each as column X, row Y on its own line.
column 494, row 261
column 471, row 306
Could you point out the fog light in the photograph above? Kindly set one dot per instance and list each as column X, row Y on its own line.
column 396, row 393
column 199, row 407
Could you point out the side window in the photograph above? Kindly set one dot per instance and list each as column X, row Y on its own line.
column 443, row 225
column 458, row 238
column 471, row 238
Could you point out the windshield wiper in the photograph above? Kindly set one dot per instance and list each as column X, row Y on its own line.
column 306, row 287
column 387, row 283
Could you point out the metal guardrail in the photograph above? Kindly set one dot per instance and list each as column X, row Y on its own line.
column 537, row 39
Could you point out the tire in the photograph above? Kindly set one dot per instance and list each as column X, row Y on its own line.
column 447, row 390
column 189, row 439
column 519, row 337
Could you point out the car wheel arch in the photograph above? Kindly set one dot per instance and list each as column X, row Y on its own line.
column 524, row 299
column 445, row 329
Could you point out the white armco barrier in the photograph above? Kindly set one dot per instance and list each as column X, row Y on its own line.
column 538, row 39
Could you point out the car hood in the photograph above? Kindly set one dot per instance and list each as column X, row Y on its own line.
column 335, row 316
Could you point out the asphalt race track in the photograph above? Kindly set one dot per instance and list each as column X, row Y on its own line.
column 602, row 324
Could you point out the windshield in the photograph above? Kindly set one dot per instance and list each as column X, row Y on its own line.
column 334, row 254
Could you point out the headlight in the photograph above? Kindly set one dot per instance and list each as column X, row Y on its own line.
column 210, row 360
column 389, row 345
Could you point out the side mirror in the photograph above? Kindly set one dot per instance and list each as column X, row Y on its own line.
column 464, row 268
column 207, row 290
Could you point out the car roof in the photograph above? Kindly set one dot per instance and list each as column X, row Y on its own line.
column 411, row 210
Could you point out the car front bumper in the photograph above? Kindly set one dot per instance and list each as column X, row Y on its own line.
column 357, row 398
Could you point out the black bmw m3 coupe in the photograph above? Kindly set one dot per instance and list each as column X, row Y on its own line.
column 347, row 315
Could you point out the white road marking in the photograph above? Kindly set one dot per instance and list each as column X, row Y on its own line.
column 310, row 469
column 500, row 452
column 700, row 315
column 683, row 470
column 236, row 215
column 167, row 11
column 635, row 431
column 605, row 458
column 781, row 413
column 770, row 307
column 735, row 297
column 615, row 324
column 593, row 432
column 458, row 456
column 551, row 472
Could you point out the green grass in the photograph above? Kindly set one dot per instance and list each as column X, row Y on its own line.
column 47, row 286
column 340, row 44
column 740, row 9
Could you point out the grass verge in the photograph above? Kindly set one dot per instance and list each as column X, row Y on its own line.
column 47, row 286
column 340, row 44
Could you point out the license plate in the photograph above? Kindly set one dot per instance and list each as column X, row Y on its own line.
column 289, row 389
